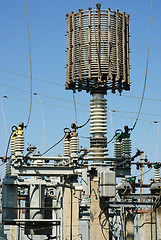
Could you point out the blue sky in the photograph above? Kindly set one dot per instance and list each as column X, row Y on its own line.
column 47, row 26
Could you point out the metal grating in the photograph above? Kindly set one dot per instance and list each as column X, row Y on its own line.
column 97, row 50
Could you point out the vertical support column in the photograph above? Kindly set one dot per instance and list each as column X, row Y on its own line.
column 142, row 173
column 98, row 213
column 70, row 213
column 129, row 226
column 158, row 226
column 148, row 225
column 75, row 213
column 13, row 232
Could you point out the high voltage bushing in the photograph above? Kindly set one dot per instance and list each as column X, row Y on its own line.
column 97, row 50
column 117, row 149
column 98, row 127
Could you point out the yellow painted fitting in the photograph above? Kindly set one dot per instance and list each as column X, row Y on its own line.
column 19, row 131
column 14, row 134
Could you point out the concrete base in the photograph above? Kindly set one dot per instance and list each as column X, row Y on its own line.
column 70, row 214
column 129, row 226
column 148, row 226
column 99, row 228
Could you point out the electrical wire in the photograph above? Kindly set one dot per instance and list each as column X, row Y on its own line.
column 112, row 130
column 5, row 125
column 58, row 106
column 111, row 139
column 144, row 172
column 146, row 73
column 65, row 100
column 13, row 129
column 147, row 135
column 2, row 164
column 157, row 143
column 42, row 116
column 83, row 124
column 30, row 67
column 8, row 145
column 65, row 131
column 75, row 108
column 37, row 79
column 43, row 95
column 53, row 146
column 29, row 237
column 62, row 85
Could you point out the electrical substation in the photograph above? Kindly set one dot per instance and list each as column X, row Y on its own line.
column 84, row 194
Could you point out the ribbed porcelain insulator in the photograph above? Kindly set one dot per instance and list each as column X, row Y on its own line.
column 117, row 150
column 98, row 154
column 66, row 148
column 19, row 143
column 8, row 167
column 98, row 119
column 74, row 144
column 12, row 146
column 98, row 128
column 126, row 146
column 157, row 175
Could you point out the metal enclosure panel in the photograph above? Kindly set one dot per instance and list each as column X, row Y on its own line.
column 9, row 200
column 84, row 229
column 36, row 198
column 107, row 185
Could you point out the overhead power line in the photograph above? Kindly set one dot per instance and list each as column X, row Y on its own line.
column 58, row 84
column 37, row 79
column 42, row 95
column 5, row 124
column 42, row 116
column 30, row 66
column 59, row 106
column 146, row 73
column 83, row 104
column 82, row 110
column 75, row 108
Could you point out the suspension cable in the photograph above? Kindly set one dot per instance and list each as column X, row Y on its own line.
column 146, row 73
column 30, row 67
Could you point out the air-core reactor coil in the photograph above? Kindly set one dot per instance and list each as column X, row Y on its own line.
column 97, row 50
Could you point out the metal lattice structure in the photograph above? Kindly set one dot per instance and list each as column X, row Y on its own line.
column 97, row 50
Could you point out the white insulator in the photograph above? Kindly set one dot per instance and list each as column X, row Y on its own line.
column 66, row 148
column 8, row 167
column 98, row 119
column 157, row 175
column 12, row 146
column 19, row 143
column 126, row 145
column 98, row 127
column 98, row 154
column 74, row 144
column 117, row 150
column 123, row 180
